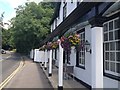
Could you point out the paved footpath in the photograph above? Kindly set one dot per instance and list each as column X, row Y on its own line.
column 31, row 76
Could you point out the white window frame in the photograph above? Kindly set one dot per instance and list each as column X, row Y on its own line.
column 114, row 51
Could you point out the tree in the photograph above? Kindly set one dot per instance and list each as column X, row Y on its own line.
column 31, row 25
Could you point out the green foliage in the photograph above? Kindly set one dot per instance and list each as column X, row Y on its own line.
column 31, row 25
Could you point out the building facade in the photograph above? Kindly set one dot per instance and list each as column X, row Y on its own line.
column 99, row 24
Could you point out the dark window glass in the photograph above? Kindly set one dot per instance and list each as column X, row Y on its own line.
column 110, row 35
column 55, row 53
column 105, row 27
column 118, row 45
column 106, row 65
column 106, row 37
column 116, row 23
column 111, row 25
column 106, row 46
column 117, row 34
column 64, row 11
column 112, row 45
column 118, row 56
column 112, row 56
column 112, row 66
column 106, row 55
column 118, row 67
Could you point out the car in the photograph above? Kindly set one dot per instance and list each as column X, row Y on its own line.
column 3, row 51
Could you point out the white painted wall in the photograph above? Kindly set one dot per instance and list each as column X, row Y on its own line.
column 31, row 54
column 37, row 56
column 71, row 6
column 111, row 83
column 97, row 57
column 83, row 74
column 41, row 56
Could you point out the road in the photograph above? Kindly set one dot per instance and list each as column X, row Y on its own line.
column 10, row 61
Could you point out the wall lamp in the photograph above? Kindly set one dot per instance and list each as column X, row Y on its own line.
column 87, row 46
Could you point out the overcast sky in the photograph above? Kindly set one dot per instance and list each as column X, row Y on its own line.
column 8, row 6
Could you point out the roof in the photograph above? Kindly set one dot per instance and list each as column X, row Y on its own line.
column 80, row 11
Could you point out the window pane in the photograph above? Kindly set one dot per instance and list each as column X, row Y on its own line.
column 106, row 46
column 80, row 60
column 118, row 45
column 105, row 27
column 112, row 56
column 107, row 56
column 118, row 56
column 117, row 34
column 110, row 35
column 111, row 25
column 79, row 54
column 106, row 37
column 118, row 67
column 116, row 23
column 112, row 66
column 106, row 65
column 83, row 35
column 112, row 46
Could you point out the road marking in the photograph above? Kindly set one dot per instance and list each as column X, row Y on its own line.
column 6, row 81
column 6, row 58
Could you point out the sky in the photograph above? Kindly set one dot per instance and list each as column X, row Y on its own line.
column 8, row 6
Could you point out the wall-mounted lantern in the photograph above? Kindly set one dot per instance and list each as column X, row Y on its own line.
column 87, row 46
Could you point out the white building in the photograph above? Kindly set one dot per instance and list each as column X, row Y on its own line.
column 99, row 24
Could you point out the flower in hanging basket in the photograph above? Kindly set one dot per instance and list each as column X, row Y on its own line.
column 65, row 44
column 49, row 46
column 55, row 45
column 74, row 39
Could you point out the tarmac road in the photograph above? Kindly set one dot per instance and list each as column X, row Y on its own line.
column 10, row 61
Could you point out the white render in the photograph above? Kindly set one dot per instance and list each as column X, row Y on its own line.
column 50, row 62
column 31, row 54
column 46, row 59
column 37, row 55
column 97, row 57
column 41, row 55
column 60, row 68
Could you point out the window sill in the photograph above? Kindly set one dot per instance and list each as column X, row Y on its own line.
column 82, row 67
column 112, row 76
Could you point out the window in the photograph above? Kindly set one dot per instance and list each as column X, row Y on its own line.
column 55, row 22
column 80, row 62
column 55, row 53
column 64, row 11
column 111, row 34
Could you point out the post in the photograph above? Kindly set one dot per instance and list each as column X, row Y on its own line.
column 45, row 60
column 60, row 70
column 97, row 57
column 50, row 63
